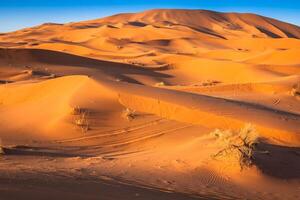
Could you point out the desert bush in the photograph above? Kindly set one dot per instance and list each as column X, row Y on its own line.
column 296, row 90
column 210, row 83
column 1, row 148
column 77, row 110
column 129, row 114
column 240, row 145
column 119, row 47
column 83, row 122
column 81, row 119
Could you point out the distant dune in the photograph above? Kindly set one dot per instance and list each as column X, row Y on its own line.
column 162, row 104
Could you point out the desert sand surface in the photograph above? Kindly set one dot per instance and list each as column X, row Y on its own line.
column 162, row 104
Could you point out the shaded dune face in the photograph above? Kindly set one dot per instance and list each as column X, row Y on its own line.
column 145, row 101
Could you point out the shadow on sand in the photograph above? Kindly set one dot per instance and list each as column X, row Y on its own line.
column 279, row 161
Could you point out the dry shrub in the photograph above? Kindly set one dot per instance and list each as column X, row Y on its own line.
column 129, row 114
column 81, row 119
column 210, row 83
column 160, row 84
column 77, row 110
column 1, row 148
column 83, row 122
column 240, row 145
column 296, row 90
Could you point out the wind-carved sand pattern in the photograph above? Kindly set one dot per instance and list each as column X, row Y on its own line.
column 151, row 105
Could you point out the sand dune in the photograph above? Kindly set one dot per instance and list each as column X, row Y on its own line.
column 131, row 103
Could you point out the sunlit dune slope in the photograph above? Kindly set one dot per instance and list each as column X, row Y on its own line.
column 189, row 44
column 169, row 47
column 152, row 29
column 55, row 98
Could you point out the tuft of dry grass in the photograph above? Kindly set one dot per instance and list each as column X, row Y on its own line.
column 296, row 90
column 240, row 145
column 77, row 110
column 210, row 83
column 129, row 114
column 1, row 148
column 83, row 122
column 160, row 84
column 81, row 119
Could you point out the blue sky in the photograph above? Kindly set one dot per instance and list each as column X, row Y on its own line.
column 17, row 14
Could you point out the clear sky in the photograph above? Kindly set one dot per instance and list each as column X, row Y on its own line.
column 17, row 14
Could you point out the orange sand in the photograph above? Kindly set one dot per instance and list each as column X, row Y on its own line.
column 65, row 90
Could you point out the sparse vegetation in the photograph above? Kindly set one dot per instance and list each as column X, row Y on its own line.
column 77, row 110
column 210, row 83
column 119, row 47
column 129, row 114
column 83, row 122
column 296, row 90
column 81, row 119
column 1, row 148
column 160, row 84
column 240, row 145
